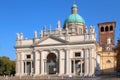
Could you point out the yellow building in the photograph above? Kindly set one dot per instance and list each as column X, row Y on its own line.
column 107, row 61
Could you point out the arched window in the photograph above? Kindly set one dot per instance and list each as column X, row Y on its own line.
column 111, row 28
column 106, row 28
column 102, row 29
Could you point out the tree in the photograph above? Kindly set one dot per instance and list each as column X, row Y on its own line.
column 117, row 50
column 13, row 67
column 7, row 67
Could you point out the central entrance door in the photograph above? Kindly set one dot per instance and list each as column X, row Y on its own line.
column 51, row 63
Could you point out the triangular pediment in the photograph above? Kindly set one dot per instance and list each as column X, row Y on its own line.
column 50, row 40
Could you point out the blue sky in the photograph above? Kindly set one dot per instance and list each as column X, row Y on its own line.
column 26, row 16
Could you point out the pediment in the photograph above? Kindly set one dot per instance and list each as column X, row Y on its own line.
column 50, row 40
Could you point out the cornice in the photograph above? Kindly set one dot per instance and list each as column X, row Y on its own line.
column 69, row 43
column 20, row 51
column 23, row 46
column 66, row 43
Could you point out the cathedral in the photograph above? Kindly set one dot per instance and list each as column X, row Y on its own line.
column 71, row 49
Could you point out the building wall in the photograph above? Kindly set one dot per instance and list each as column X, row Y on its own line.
column 107, row 62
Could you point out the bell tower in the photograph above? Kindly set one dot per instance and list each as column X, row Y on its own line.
column 106, row 33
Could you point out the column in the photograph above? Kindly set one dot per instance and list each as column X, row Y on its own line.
column 42, row 64
column 45, row 66
column 58, row 63
column 86, row 62
column 18, row 68
column 25, row 68
column 93, row 60
column 74, row 69
column 17, row 65
column 81, row 73
column 70, row 66
column 22, row 68
column 67, row 62
column 90, row 62
column 31, row 68
column 21, row 64
column 62, row 64
column 36, row 60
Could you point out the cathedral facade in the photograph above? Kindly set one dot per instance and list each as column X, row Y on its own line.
column 68, row 50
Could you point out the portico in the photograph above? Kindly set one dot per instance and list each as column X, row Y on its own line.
column 58, row 62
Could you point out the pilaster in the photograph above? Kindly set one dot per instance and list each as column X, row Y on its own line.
column 93, row 60
column 21, row 64
column 42, row 64
column 31, row 68
column 90, row 61
column 74, row 70
column 61, row 62
column 25, row 68
column 85, row 62
column 45, row 66
column 36, row 60
column 81, row 73
column 67, row 62
column 17, row 65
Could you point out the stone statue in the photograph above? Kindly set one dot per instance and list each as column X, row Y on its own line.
column 35, row 34
column 45, row 28
column 58, row 24
column 41, row 33
column 21, row 36
column 92, row 29
column 18, row 36
column 86, row 30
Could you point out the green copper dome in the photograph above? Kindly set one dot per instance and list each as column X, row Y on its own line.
column 75, row 18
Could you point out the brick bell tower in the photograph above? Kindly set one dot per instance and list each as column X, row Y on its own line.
column 106, row 33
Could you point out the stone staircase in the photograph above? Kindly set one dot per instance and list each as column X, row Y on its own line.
column 50, row 77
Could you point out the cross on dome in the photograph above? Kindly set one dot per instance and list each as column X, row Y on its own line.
column 74, row 1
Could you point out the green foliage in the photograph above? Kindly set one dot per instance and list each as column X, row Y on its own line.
column 7, row 67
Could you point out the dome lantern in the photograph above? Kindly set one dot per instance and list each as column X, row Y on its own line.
column 74, row 9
